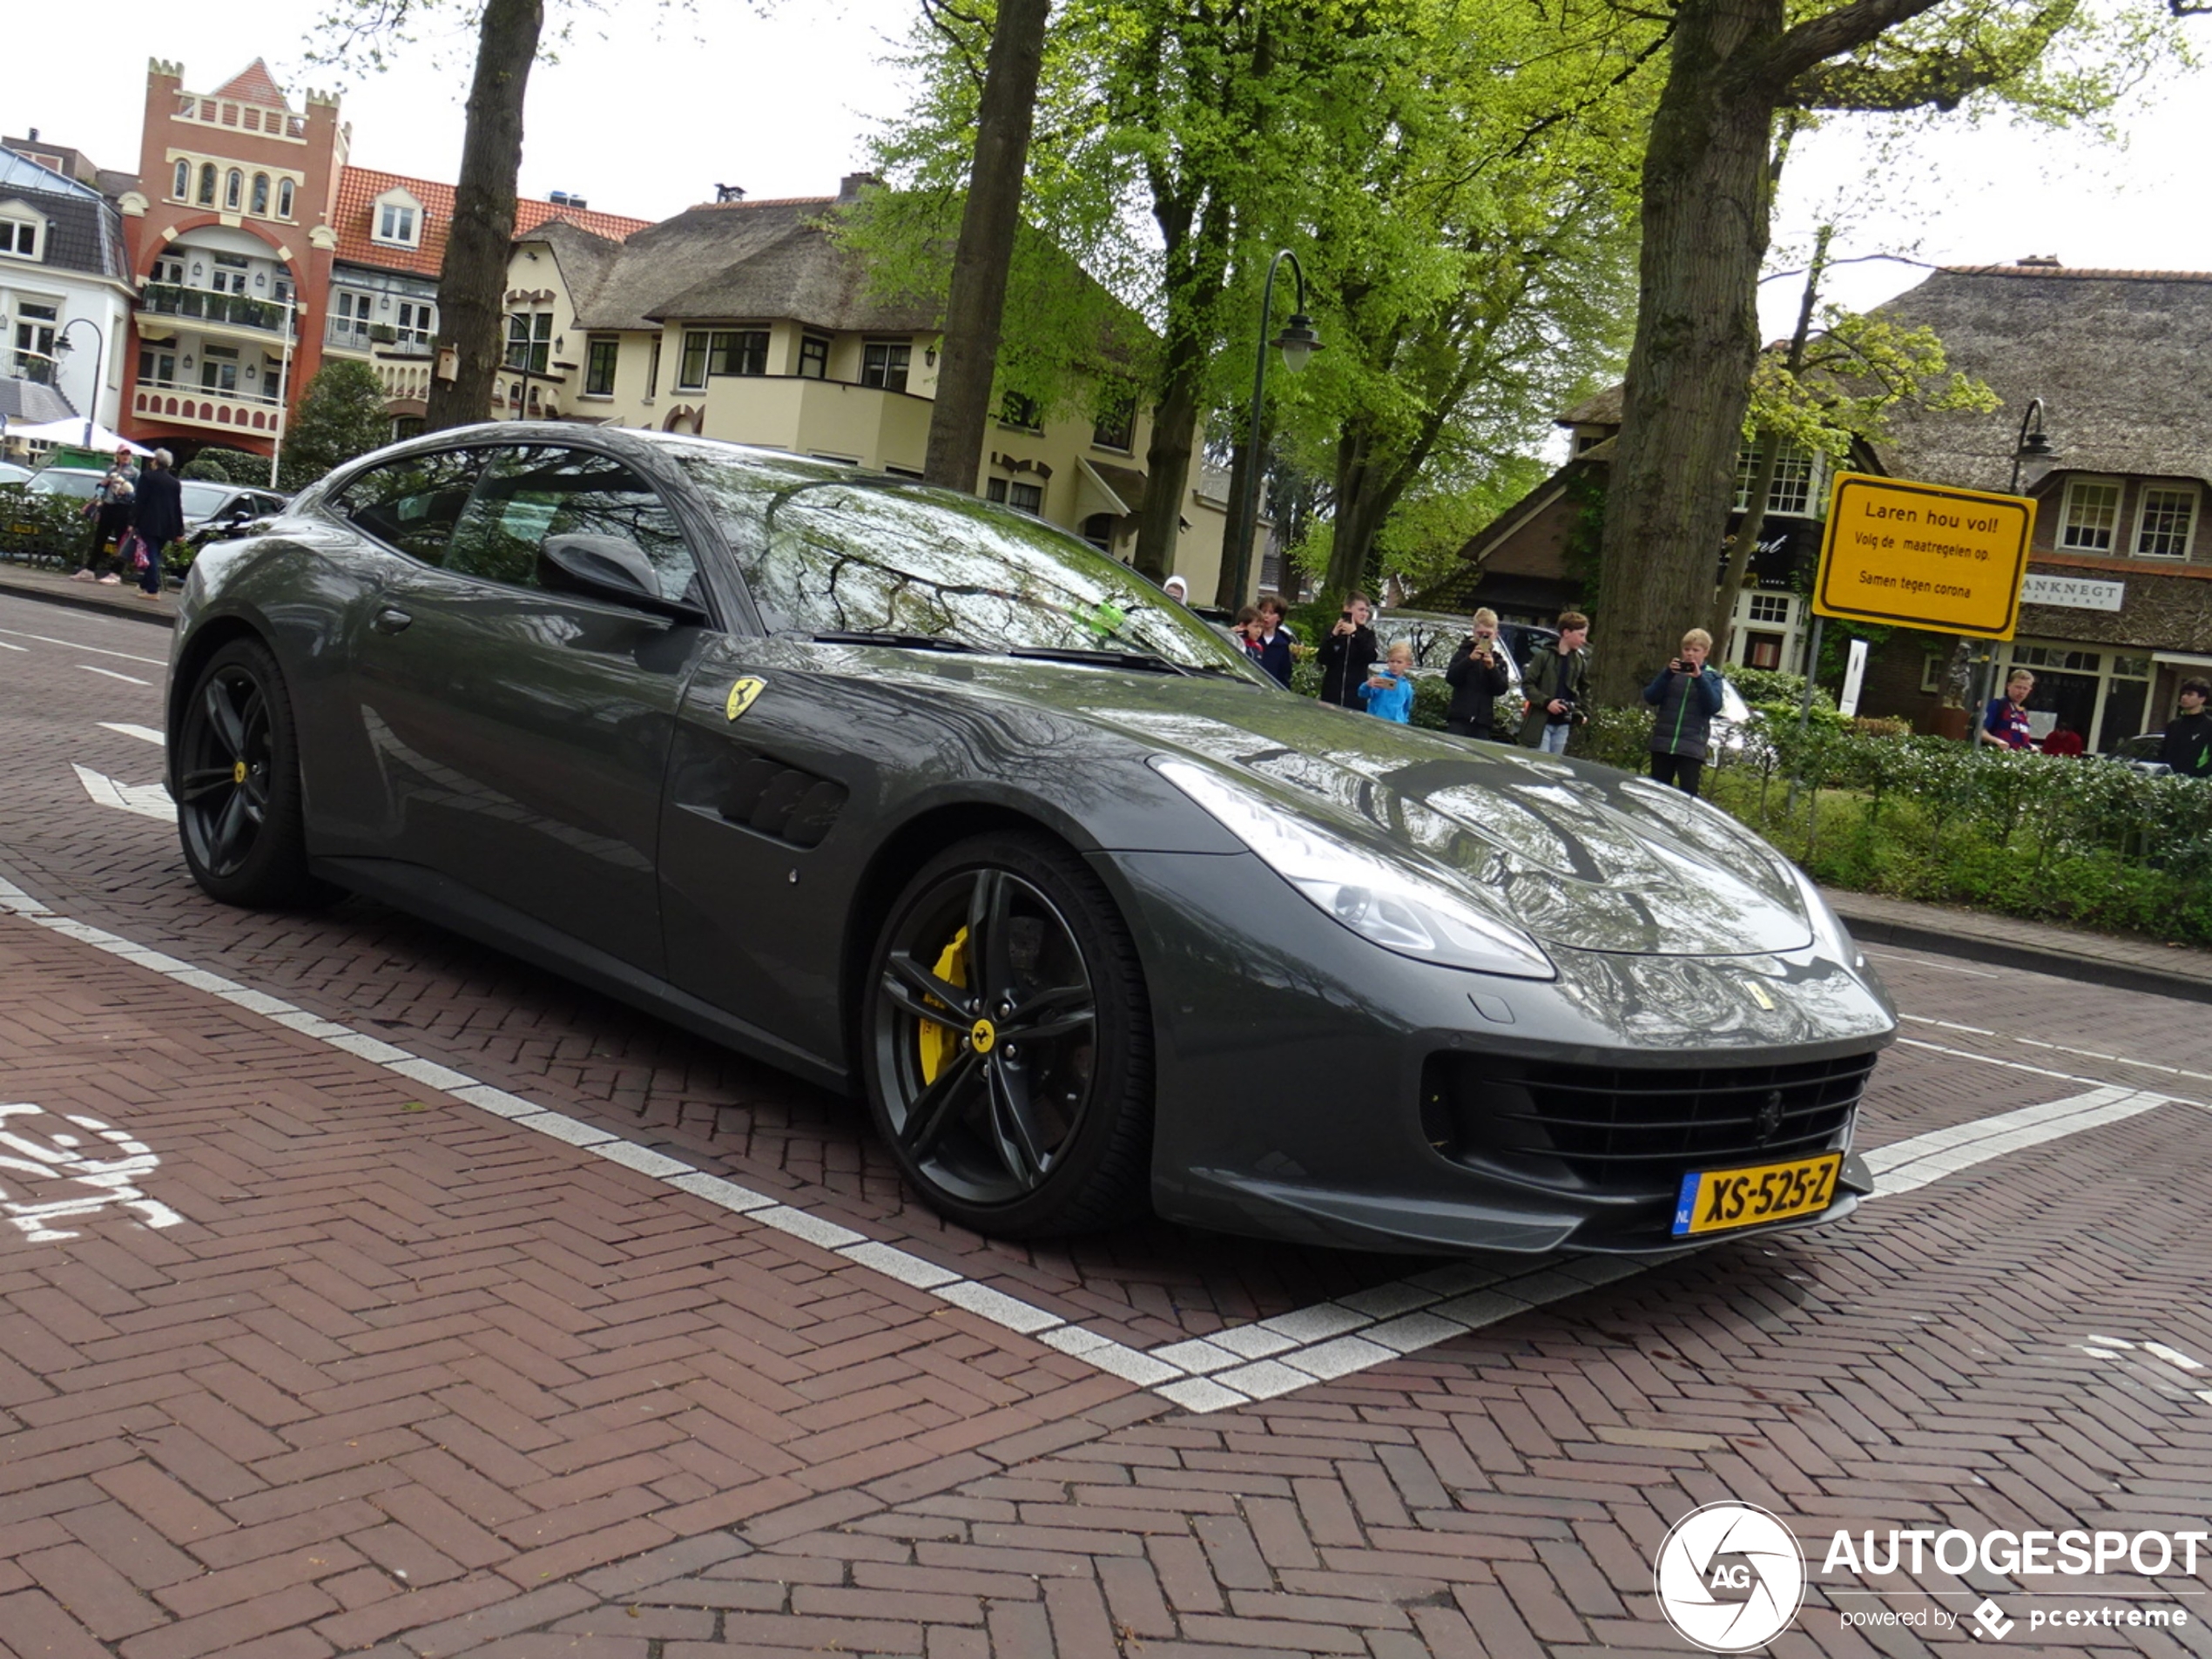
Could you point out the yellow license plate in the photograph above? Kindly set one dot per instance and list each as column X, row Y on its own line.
column 1713, row 1201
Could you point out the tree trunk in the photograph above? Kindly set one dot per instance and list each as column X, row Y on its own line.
column 1196, row 274
column 472, row 284
column 988, row 224
column 1706, row 186
column 1745, row 542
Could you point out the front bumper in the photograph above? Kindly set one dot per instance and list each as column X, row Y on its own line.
column 1294, row 1062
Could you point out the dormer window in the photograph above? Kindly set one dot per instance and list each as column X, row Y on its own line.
column 398, row 219
column 21, row 231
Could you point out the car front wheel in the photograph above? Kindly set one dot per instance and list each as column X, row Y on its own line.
column 1007, row 1042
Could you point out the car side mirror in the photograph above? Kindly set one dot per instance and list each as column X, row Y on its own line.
column 610, row 567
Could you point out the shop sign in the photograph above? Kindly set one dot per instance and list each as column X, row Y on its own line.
column 2071, row 592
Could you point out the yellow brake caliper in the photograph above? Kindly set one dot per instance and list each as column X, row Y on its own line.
column 940, row 1043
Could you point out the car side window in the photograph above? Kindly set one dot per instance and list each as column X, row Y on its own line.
column 532, row 492
column 414, row 502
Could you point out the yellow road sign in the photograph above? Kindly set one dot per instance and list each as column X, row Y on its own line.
column 1924, row 556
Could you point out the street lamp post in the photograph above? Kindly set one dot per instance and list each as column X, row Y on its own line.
column 1297, row 342
column 2033, row 444
column 99, row 364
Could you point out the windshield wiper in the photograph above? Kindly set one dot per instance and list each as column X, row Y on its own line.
column 898, row 642
column 1144, row 661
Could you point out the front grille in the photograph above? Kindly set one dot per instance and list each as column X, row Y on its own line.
column 1620, row 1129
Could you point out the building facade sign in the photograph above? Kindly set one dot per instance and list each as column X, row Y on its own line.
column 2073, row 592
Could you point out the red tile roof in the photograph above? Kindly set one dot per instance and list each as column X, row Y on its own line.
column 359, row 187
column 253, row 85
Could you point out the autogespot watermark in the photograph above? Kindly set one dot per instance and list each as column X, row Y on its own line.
column 1731, row 1577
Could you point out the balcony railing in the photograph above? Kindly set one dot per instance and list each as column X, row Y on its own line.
column 179, row 402
column 382, row 337
column 234, row 309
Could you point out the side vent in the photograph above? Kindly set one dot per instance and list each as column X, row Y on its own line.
column 782, row 802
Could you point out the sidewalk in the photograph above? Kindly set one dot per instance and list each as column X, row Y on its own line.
column 2123, row 963
column 2006, row 941
column 55, row 587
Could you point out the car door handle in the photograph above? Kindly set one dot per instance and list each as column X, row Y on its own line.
column 389, row 621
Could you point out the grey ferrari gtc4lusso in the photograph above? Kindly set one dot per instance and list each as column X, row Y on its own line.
column 927, row 800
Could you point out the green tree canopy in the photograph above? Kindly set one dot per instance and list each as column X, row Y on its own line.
column 343, row 415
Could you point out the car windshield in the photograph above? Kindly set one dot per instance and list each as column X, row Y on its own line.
column 874, row 556
column 202, row 498
column 68, row 483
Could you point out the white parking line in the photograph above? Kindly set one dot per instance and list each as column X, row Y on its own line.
column 144, row 734
column 95, row 651
column 1234, row 1367
column 148, row 801
column 112, row 675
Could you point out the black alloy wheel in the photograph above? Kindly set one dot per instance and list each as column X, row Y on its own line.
column 1008, row 1041
column 238, row 784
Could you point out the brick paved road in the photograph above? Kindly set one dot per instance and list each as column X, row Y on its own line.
column 332, row 1363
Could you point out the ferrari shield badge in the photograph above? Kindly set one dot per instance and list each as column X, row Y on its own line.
column 742, row 696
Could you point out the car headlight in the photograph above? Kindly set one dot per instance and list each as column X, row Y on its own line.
column 1385, row 902
column 1828, row 930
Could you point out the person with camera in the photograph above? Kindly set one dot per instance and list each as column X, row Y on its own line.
column 1684, row 699
column 1557, row 674
column 1272, row 643
column 1344, row 654
column 1480, row 674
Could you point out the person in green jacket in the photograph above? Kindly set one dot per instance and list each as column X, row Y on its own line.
column 2188, row 746
column 1684, row 699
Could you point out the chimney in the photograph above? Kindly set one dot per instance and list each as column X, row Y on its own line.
column 559, row 197
column 849, row 187
column 578, row 201
column 33, row 138
column 2040, row 262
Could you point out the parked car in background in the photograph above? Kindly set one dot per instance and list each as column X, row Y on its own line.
column 11, row 474
column 207, row 501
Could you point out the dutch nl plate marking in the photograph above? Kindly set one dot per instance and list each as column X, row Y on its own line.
column 49, row 1178
column 742, row 695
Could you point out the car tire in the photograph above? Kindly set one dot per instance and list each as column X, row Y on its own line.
column 239, row 807
column 1011, row 1079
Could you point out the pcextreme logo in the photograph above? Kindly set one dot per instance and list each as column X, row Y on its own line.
column 1729, row 1577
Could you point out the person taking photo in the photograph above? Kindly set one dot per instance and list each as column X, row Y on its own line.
column 1684, row 699
column 1479, row 675
column 1345, row 652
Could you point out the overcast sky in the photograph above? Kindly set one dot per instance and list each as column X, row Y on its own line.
column 646, row 123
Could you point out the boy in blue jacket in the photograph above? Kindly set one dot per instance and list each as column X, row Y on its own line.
column 1684, row 699
column 1390, row 695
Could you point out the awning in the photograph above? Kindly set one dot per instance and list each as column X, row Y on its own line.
column 1101, row 487
column 73, row 432
column 2180, row 659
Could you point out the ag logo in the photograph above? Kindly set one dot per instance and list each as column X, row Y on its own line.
column 1729, row 1577
column 742, row 695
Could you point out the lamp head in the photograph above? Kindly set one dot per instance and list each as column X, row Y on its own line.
column 2036, row 446
column 1297, row 341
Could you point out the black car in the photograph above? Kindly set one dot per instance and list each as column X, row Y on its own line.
column 930, row 801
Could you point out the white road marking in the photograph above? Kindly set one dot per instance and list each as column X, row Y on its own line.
column 144, row 734
column 2061, row 1048
column 1878, row 954
column 4, row 645
column 55, row 1158
column 132, row 678
column 149, row 800
column 96, row 651
column 1235, row 1367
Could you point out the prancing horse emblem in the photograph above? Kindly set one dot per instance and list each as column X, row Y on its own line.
column 742, row 695
column 1769, row 1120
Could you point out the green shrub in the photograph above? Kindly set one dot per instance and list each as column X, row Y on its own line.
column 41, row 528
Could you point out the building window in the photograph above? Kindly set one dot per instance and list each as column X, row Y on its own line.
column 1768, row 607
column 171, row 271
column 183, row 190
column 739, row 351
column 218, row 369
column 1762, row 650
column 1115, row 427
column 261, row 198
column 690, row 372
column 157, row 366
column 396, row 223
column 1790, row 494
column 208, row 184
column 284, row 198
column 229, row 273
column 599, row 367
column 652, row 371
column 2091, row 511
column 1017, row 409
column 813, row 358
column 883, row 362
column 233, row 189
column 1026, row 498
column 2163, row 525
column 19, row 237
column 994, row 489
column 529, row 340
column 34, row 324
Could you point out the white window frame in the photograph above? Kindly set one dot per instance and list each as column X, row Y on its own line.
column 2064, row 529
column 395, row 219
column 2187, row 492
column 1799, row 464
column 1754, row 599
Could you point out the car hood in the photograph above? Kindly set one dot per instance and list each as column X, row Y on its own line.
column 1579, row 855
